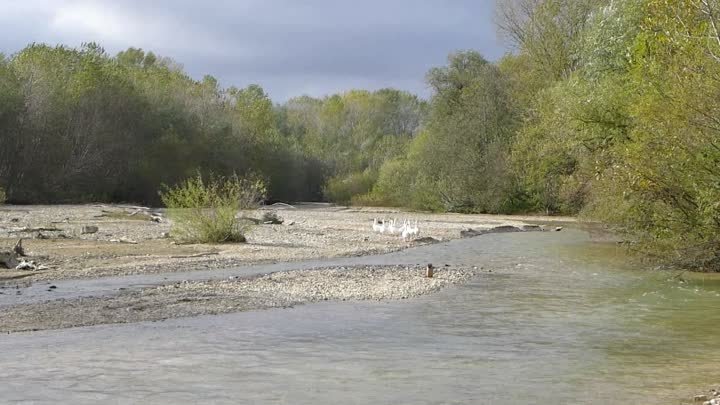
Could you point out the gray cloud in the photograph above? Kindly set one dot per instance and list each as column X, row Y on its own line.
column 290, row 47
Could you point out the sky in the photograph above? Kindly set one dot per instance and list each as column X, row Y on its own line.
column 289, row 47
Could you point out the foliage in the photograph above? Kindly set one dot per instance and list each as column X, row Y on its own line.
column 459, row 163
column 628, row 135
column 606, row 109
column 342, row 189
column 206, row 211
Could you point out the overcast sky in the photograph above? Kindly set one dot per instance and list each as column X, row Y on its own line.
column 289, row 47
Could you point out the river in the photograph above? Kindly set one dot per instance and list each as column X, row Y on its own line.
column 558, row 320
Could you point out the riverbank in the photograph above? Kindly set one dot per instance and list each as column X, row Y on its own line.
column 275, row 290
column 91, row 241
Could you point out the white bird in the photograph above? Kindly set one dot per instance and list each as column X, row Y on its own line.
column 410, row 230
column 415, row 230
column 376, row 225
column 405, row 230
column 391, row 226
column 382, row 226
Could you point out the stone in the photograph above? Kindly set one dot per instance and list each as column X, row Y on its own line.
column 89, row 229
column 8, row 259
column 558, row 228
column 156, row 218
column 700, row 398
column 469, row 233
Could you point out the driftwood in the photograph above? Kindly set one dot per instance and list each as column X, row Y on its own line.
column 38, row 229
column 195, row 255
column 277, row 205
column 123, row 240
column 18, row 249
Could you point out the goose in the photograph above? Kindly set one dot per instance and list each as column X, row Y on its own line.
column 382, row 225
column 391, row 226
column 376, row 225
column 415, row 230
column 405, row 230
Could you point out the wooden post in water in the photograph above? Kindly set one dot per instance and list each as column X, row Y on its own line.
column 429, row 271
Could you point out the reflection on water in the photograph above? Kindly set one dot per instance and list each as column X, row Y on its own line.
column 557, row 321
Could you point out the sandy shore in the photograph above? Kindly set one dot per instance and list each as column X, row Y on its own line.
column 275, row 290
column 127, row 241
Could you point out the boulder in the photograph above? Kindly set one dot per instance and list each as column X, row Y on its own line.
column 89, row 229
column 469, row 233
column 8, row 259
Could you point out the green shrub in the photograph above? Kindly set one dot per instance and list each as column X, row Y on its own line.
column 206, row 211
column 341, row 189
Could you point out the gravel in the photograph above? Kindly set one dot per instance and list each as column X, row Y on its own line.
column 275, row 290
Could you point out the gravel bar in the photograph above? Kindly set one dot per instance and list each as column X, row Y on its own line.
column 274, row 290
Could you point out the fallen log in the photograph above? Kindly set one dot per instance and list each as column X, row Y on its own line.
column 38, row 229
column 195, row 255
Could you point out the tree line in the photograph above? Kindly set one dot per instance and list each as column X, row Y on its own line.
column 603, row 109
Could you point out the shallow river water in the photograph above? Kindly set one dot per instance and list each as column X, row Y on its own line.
column 559, row 320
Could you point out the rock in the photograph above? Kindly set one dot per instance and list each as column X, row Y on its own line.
column 15, row 220
column 469, row 233
column 426, row 239
column 291, row 223
column 700, row 398
column 156, row 218
column 271, row 218
column 89, row 229
column 558, row 228
column 165, row 235
column 8, row 259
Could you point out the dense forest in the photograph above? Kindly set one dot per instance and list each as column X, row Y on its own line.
column 605, row 109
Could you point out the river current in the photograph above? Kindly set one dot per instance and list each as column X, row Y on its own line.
column 553, row 319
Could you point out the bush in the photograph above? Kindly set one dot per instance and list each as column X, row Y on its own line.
column 206, row 212
column 341, row 189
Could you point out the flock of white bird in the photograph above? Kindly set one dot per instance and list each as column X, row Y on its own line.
column 407, row 230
